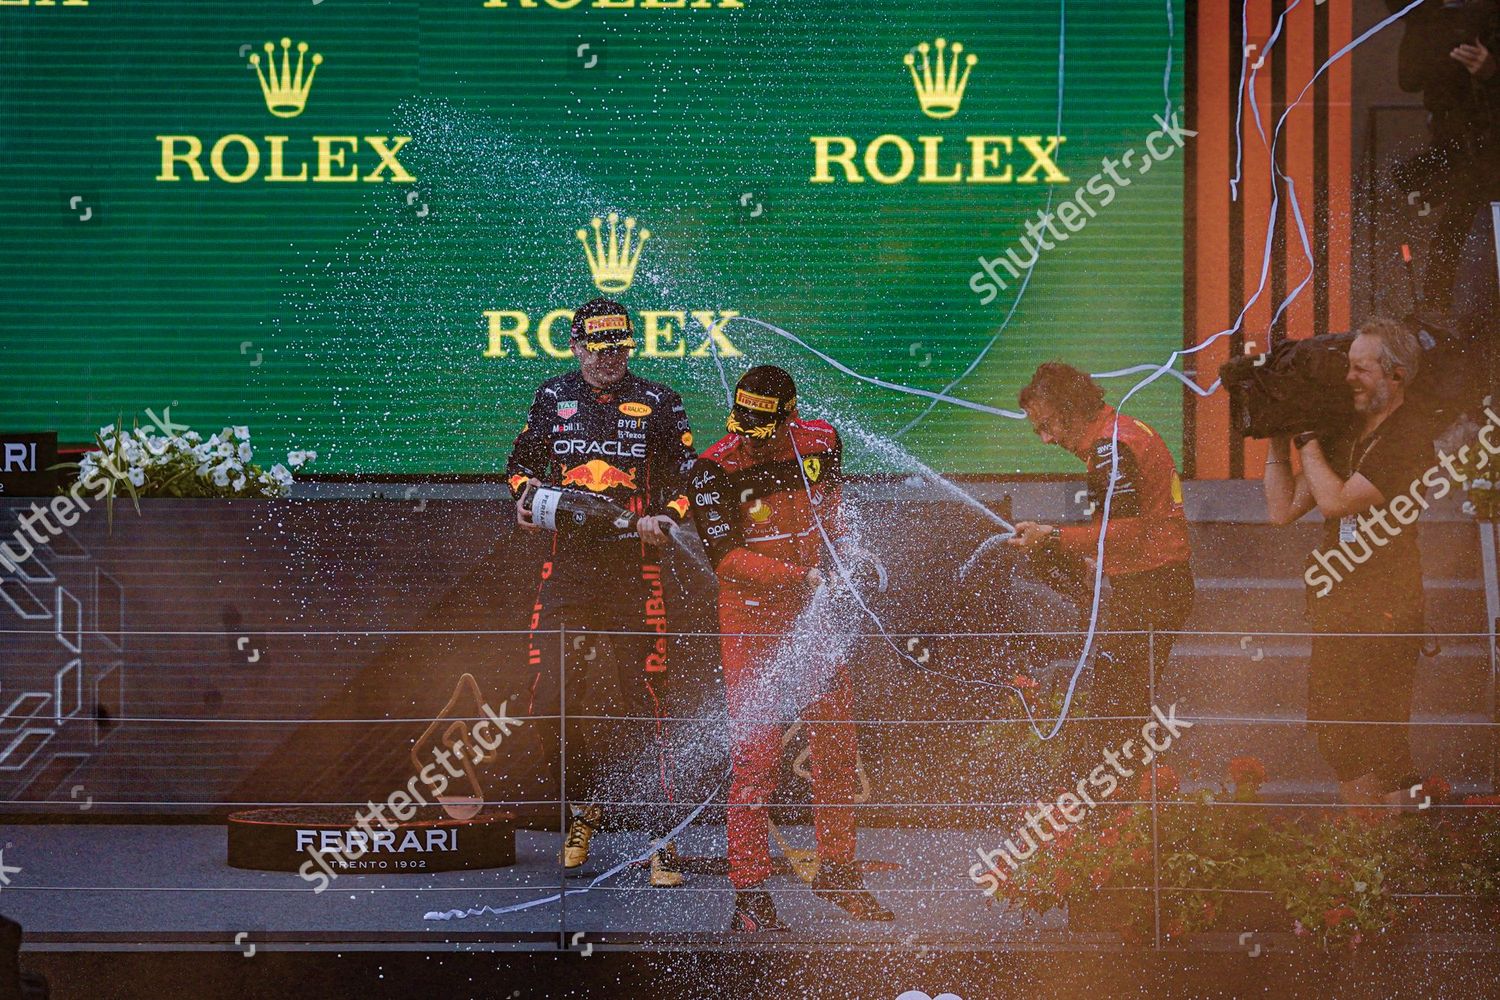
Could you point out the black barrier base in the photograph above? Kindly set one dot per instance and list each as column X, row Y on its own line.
column 283, row 840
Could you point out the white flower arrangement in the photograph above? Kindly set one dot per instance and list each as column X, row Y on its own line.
column 144, row 464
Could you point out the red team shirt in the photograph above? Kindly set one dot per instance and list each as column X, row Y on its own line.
column 1147, row 526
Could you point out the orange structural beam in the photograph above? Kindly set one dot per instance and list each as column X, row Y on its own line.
column 1246, row 191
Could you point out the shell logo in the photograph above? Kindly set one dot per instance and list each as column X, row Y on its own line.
column 759, row 511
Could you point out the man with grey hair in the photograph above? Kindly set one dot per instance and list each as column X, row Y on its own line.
column 1370, row 614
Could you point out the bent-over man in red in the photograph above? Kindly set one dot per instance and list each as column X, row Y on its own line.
column 1131, row 477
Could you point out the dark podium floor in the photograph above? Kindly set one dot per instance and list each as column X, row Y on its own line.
column 143, row 886
column 118, row 887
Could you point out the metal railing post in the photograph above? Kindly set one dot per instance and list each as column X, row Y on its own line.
column 562, row 791
column 1155, row 838
column 1490, row 567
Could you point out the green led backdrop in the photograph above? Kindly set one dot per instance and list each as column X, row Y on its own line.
column 354, row 272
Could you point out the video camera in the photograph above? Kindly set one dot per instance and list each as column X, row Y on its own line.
column 1299, row 385
column 1296, row 386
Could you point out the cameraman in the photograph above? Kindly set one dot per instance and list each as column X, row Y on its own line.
column 1375, row 579
column 603, row 430
column 1448, row 54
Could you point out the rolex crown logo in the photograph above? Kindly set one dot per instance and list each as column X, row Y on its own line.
column 940, row 90
column 613, row 263
column 284, row 89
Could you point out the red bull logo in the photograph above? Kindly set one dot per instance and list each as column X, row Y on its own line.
column 598, row 476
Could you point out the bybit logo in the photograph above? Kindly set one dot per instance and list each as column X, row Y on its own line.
column 613, row 266
column 940, row 84
column 612, row 262
column 237, row 158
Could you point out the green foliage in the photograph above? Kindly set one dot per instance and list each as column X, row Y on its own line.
column 1336, row 880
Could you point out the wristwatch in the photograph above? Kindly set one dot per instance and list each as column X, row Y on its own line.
column 1302, row 440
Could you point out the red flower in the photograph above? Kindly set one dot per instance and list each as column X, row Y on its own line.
column 1109, row 836
column 1023, row 682
column 1101, row 876
column 1167, row 784
column 1337, row 915
column 1248, row 772
column 1140, row 855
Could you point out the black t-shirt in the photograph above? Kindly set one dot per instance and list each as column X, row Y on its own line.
column 1383, row 592
column 1423, row 63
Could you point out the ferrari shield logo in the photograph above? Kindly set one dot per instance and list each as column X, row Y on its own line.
column 813, row 466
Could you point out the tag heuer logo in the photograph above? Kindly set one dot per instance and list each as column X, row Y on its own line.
column 567, row 409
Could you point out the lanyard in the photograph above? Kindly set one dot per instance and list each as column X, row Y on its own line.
column 1354, row 463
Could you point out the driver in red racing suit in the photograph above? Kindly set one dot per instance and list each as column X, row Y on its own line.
column 760, row 494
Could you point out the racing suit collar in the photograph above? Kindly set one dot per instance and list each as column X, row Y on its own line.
column 1102, row 426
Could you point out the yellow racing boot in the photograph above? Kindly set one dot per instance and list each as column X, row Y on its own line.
column 665, row 872
column 580, row 828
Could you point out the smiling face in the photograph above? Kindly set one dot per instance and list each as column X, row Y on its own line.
column 1375, row 392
